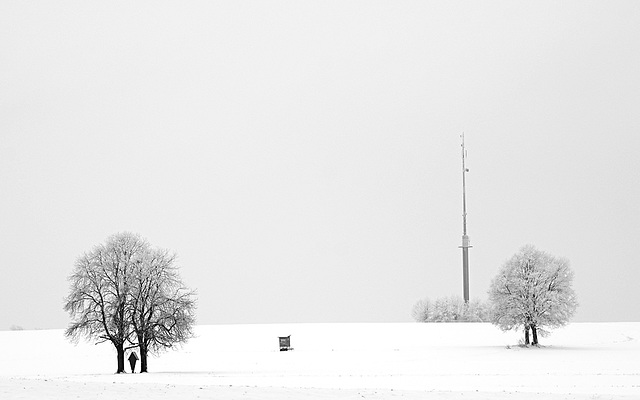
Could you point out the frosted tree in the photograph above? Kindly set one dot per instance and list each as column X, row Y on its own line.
column 533, row 291
column 162, row 307
column 476, row 311
column 422, row 311
column 99, row 294
column 131, row 295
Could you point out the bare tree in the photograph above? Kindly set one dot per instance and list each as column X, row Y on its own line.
column 533, row 290
column 162, row 308
column 99, row 293
column 131, row 295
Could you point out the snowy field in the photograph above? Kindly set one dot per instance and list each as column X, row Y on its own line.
column 342, row 361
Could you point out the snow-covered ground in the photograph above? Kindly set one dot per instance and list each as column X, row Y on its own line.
column 344, row 361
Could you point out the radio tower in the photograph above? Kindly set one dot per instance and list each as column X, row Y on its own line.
column 465, row 238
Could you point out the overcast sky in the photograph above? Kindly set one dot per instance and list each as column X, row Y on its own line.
column 303, row 158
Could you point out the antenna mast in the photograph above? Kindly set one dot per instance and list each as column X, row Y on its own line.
column 465, row 238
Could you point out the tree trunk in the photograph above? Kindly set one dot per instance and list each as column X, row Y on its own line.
column 120, row 351
column 534, row 330
column 526, row 335
column 143, row 357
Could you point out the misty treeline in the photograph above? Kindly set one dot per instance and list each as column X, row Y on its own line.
column 130, row 294
column 532, row 291
column 449, row 309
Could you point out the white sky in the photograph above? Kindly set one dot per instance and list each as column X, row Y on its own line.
column 303, row 158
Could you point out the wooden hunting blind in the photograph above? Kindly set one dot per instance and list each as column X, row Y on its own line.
column 285, row 343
